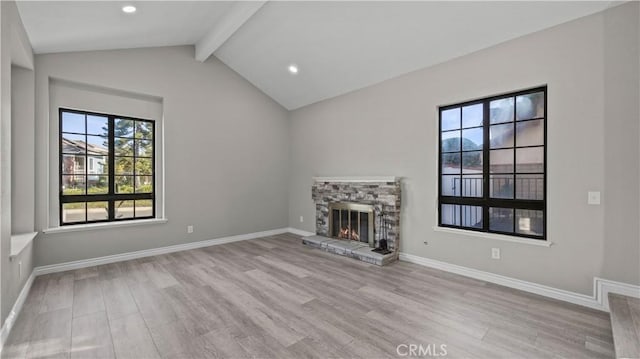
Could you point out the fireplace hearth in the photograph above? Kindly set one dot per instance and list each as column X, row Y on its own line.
column 349, row 214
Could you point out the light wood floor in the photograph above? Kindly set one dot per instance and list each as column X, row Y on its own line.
column 625, row 322
column 275, row 298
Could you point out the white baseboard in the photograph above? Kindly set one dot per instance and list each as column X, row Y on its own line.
column 598, row 300
column 84, row 263
column 13, row 314
column 299, row 232
column 602, row 288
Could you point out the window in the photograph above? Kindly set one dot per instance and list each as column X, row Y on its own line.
column 492, row 165
column 118, row 183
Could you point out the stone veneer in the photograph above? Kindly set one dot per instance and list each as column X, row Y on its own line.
column 382, row 195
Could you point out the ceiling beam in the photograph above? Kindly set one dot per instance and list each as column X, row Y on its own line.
column 226, row 27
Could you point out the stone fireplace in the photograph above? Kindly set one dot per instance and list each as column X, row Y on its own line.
column 353, row 214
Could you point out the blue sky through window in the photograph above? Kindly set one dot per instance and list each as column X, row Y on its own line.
column 97, row 125
column 73, row 122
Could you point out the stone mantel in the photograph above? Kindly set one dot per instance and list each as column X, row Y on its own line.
column 362, row 179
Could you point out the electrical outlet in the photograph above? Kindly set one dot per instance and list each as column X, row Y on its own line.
column 301, row 219
column 495, row 253
column 189, row 229
column 593, row 198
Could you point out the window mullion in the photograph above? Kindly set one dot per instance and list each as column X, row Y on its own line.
column 460, row 212
column 153, row 167
column 112, row 162
column 60, row 168
column 86, row 169
column 485, row 165
column 439, row 166
column 544, row 168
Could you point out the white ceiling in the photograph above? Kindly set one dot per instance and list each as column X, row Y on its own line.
column 338, row 46
column 61, row 26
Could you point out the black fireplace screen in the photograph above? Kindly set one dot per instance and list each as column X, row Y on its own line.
column 351, row 221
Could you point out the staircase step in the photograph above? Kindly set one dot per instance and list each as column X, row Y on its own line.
column 625, row 323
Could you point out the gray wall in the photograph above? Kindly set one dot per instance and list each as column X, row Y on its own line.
column 226, row 149
column 16, row 114
column 22, row 150
column 391, row 129
column 5, row 158
column 621, row 113
column 22, row 180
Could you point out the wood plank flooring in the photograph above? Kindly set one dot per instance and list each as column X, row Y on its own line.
column 275, row 298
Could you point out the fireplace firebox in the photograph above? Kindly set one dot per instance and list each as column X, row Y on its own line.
column 352, row 221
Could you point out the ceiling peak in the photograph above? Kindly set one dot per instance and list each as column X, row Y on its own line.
column 240, row 13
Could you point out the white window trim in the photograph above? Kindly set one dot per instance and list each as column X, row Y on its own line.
column 495, row 236
column 476, row 234
column 19, row 242
column 52, row 218
column 104, row 225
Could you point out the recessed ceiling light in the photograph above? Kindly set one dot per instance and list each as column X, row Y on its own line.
column 293, row 69
column 129, row 9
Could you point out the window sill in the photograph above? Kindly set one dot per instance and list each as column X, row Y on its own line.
column 107, row 225
column 19, row 242
column 500, row 237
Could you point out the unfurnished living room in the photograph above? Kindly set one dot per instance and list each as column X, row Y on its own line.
column 319, row 179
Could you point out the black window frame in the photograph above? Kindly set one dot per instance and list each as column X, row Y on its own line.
column 111, row 197
column 486, row 202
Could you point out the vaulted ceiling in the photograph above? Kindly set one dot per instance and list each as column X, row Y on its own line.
column 338, row 46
